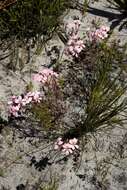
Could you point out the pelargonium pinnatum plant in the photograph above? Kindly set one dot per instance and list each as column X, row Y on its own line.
column 17, row 103
column 67, row 147
column 72, row 27
column 46, row 77
column 75, row 44
column 99, row 34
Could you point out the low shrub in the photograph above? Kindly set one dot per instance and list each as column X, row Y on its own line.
column 99, row 75
column 28, row 18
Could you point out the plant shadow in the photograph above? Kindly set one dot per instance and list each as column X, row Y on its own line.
column 116, row 19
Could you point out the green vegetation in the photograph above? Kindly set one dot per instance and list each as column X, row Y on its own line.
column 53, row 185
column 104, row 104
column 106, row 87
column 43, row 113
column 1, row 172
column 29, row 18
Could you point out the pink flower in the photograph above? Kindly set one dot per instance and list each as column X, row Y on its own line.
column 15, row 105
column 19, row 102
column 74, row 46
column 58, row 143
column 14, row 110
column 37, row 97
column 33, row 97
column 37, row 77
column 46, row 75
column 15, row 100
column 99, row 34
column 74, row 142
column 26, row 100
column 66, row 147
column 105, row 28
column 72, row 28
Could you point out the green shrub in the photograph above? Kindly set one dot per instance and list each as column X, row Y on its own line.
column 43, row 113
column 98, row 80
column 27, row 18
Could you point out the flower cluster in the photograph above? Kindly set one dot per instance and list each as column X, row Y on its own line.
column 74, row 45
column 72, row 28
column 45, row 76
column 66, row 147
column 19, row 102
column 99, row 34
